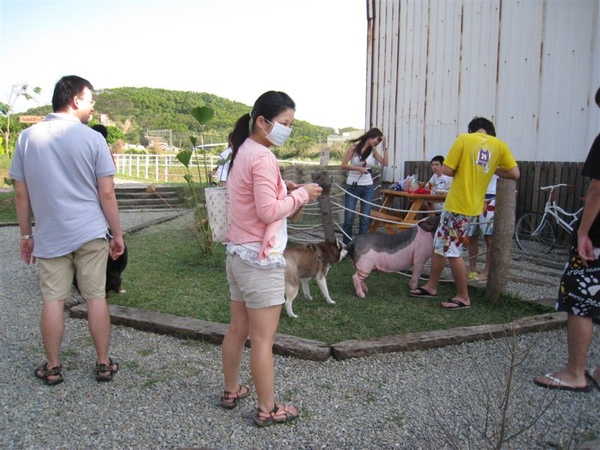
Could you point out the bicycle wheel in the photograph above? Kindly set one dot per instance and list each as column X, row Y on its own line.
column 535, row 234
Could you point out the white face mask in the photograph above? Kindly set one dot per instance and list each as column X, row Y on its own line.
column 279, row 134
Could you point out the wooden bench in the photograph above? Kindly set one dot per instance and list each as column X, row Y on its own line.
column 380, row 219
column 420, row 205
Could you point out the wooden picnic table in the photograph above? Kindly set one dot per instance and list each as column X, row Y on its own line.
column 419, row 204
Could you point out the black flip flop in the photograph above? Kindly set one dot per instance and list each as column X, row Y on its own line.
column 459, row 305
column 588, row 375
column 560, row 385
column 424, row 293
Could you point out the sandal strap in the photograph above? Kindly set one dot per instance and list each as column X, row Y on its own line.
column 271, row 414
column 55, row 371
column 228, row 395
column 101, row 368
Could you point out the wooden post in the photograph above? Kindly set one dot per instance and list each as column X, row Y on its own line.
column 504, row 227
column 323, row 179
column 324, row 156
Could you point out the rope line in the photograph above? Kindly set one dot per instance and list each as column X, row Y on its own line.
column 305, row 233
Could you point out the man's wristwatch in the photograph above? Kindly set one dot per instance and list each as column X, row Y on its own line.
column 26, row 237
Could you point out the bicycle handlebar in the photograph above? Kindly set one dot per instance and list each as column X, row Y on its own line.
column 551, row 188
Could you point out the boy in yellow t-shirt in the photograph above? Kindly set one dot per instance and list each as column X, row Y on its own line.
column 472, row 160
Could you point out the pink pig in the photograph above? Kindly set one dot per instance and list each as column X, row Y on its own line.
column 392, row 252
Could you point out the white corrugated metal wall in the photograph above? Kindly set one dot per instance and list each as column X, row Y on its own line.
column 530, row 66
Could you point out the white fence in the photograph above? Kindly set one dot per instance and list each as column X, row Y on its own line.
column 160, row 167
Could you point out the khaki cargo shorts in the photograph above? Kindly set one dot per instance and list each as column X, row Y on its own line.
column 88, row 262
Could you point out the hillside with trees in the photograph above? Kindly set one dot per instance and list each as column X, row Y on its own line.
column 133, row 111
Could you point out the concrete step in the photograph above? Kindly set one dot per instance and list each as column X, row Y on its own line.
column 143, row 195
column 140, row 197
column 150, row 203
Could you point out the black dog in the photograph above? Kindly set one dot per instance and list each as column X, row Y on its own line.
column 114, row 269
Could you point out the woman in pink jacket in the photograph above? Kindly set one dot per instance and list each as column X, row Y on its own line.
column 260, row 202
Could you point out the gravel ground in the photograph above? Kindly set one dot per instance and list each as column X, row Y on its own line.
column 166, row 393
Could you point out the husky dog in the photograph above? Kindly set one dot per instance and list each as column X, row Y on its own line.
column 306, row 262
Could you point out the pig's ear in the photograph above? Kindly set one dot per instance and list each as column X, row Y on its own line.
column 429, row 224
column 426, row 226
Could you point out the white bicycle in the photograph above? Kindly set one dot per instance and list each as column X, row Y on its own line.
column 535, row 232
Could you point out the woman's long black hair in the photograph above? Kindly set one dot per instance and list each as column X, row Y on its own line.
column 359, row 143
column 268, row 105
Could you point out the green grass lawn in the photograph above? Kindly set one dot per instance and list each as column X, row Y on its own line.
column 167, row 273
column 4, row 168
column 8, row 212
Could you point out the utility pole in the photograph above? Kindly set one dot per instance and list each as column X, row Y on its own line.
column 504, row 227
column 323, row 179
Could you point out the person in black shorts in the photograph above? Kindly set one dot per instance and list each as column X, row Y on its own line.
column 579, row 292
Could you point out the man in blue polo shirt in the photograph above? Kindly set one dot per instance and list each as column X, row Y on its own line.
column 63, row 173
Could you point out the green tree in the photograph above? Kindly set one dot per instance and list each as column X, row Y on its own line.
column 17, row 91
column 114, row 133
column 136, row 110
column 203, row 115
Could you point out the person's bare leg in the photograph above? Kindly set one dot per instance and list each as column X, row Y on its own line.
column 473, row 252
column 488, row 253
column 579, row 337
column 233, row 345
column 459, row 273
column 438, row 262
column 99, row 325
column 263, row 325
column 53, row 330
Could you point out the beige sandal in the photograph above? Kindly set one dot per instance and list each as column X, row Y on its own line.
column 231, row 399
column 279, row 414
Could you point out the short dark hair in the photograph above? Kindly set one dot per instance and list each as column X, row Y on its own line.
column 66, row 88
column 101, row 129
column 479, row 123
column 598, row 97
column 438, row 158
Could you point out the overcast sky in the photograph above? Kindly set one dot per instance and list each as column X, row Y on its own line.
column 315, row 50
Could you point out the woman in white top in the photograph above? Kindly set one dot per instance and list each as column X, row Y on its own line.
column 223, row 167
column 358, row 160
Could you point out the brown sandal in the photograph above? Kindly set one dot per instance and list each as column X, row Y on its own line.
column 231, row 399
column 101, row 370
column 42, row 372
column 279, row 414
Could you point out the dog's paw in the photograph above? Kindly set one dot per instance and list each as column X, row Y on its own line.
column 290, row 312
column 330, row 301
